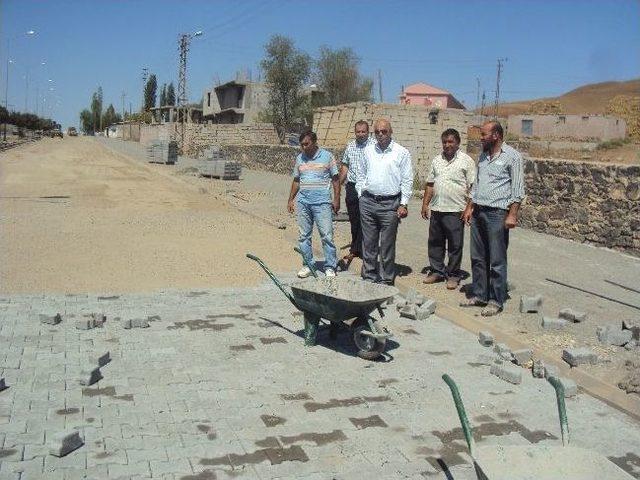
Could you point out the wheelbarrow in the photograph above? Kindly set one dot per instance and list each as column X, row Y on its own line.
column 535, row 462
column 341, row 301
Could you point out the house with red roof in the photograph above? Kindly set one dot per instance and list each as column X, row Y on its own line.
column 429, row 96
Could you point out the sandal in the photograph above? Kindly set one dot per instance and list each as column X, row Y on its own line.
column 490, row 310
column 472, row 302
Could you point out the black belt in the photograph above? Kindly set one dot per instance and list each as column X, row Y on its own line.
column 351, row 183
column 380, row 198
column 484, row 208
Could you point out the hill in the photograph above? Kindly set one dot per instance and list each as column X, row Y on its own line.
column 588, row 99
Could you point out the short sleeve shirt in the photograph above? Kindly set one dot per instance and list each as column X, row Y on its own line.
column 452, row 181
column 315, row 176
column 352, row 158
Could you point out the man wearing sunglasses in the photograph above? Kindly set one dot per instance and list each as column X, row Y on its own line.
column 384, row 181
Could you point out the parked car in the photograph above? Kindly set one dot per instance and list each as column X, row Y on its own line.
column 56, row 132
column 72, row 132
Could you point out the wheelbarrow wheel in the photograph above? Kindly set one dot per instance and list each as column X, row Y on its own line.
column 369, row 348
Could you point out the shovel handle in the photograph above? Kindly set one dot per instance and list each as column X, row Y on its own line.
column 562, row 409
column 273, row 278
column 462, row 414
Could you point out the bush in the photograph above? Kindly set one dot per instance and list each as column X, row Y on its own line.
column 611, row 144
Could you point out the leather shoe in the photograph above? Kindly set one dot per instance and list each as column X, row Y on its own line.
column 433, row 278
column 452, row 283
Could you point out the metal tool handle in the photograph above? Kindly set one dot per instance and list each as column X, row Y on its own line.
column 304, row 260
column 562, row 409
column 273, row 278
column 462, row 415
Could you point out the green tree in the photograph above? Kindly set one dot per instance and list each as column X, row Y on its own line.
column 171, row 95
column 110, row 116
column 286, row 70
column 339, row 77
column 96, row 110
column 86, row 121
column 163, row 95
column 150, row 90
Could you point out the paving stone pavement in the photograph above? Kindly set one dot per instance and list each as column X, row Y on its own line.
column 221, row 386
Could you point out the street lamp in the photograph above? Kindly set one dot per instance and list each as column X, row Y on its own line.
column 29, row 33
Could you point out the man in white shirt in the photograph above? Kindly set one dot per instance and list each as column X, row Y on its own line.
column 384, row 184
column 448, row 188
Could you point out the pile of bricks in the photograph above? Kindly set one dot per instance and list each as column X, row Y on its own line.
column 415, row 306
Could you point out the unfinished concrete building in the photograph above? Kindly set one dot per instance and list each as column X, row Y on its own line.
column 567, row 127
column 235, row 102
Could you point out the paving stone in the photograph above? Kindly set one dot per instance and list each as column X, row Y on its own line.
column 550, row 323
column 530, row 304
column 135, row 323
column 425, row 310
column 572, row 315
column 411, row 296
column 538, row 370
column 579, row 356
column 51, row 319
column 503, row 351
column 633, row 326
column 570, row 387
column 507, row 372
column 399, row 302
column 100, row 359
column 89, row 377
column 632, row 345
column 522, row 357
column 487, row 359
column 64, row 443
column 420, row 300
column 611, row 335
column 485, row 339
column 409, row 311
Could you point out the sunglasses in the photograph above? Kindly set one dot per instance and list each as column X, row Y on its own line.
column 381, row 132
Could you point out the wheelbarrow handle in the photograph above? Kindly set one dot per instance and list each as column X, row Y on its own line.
column 273, row 277
column 308, row 265
column 562, row 409
column 462, row 414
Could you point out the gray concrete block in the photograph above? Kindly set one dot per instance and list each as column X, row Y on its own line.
column 409, row 311
column 100, row 359
column 522, row 357
column 85, row 324
column 611, row 335
column 632, row 345
column 551, row 371
column 420, row 299
column 64, row 443
column 579, row 356
column 50, row 319
column 89, row 377
column 501, row 347
column 3, row 384
column 400, row 302
column 411, row 296
column 550, row 323
column 570, row 387
column 139, row 323
column 485, row 339
column 126, row 324
column 633, row 327
column 508, row 373
column 572, row 315
column 425, row 310
column 538, row 369
column 488, row 359
column 530, row 304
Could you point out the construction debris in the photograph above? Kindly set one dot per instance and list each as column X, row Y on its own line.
column 572, row 315
column 579, row 356
column 530, row 304
column 485, row 339
column 611, row 335
column 51, row 319
column 65, row 442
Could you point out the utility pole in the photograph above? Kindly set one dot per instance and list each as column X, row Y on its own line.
column 145, row 76
column 122, row 97
column 380, row 85
column 500, row 61
column 477, row 92
column 483, row 103
column 183, row 41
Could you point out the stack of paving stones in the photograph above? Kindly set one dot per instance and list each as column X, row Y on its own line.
column 217, row 165
column 221, row 386
column 415, row 306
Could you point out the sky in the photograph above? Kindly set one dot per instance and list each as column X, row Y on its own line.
column 550, row 46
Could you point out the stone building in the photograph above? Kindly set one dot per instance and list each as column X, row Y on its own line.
column 567, row 127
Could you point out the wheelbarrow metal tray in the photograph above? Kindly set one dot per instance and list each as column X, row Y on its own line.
column 543, row 462
column 340, row 298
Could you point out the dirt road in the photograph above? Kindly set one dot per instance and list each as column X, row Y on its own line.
column 77, row 217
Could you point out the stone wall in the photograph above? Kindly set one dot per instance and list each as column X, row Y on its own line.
column 587, row 202
column 416, row 127
column 199, row 136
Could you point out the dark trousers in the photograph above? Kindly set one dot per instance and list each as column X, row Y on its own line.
column 489, row 242
column 379, row 220
column 353, row 209
column 446, row 234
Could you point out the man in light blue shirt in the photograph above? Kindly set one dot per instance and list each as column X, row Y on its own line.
column 492, row 211
column 315, row 174
column 351, row 161
column 384, row 182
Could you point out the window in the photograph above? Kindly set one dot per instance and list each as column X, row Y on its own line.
column 527, row 127
column 208, row 99
column 585, row 118
column 562, row 119
column 433, row 117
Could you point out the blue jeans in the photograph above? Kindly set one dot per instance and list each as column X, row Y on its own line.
column 322, row 215
column 489, row 242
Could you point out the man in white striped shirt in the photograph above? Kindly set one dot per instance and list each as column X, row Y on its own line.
column 492, row 211
column 384, row 182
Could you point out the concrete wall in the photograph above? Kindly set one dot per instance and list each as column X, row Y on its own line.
column 131, row 131
column 200, row 136
column 587, row 202
column 577, row 127
column 417, row 128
